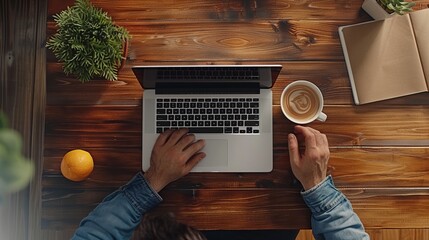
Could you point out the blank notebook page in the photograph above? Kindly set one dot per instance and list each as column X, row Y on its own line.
column 420, row 20
column 384, row 59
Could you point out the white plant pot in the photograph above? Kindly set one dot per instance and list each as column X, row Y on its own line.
column 375, row 10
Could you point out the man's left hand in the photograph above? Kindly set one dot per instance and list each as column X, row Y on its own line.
column 174, row 155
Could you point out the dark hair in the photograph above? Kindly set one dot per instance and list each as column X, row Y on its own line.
column 165, row 227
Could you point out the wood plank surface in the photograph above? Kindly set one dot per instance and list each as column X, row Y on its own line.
column 23, row 99
column 379, row 151
column 234, row 41
column 330, row 77
column 71, row 126
column 357, row 168
column 380, row 234
column 234, row 10
column 201, row 208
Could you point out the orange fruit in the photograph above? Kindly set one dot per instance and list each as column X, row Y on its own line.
column 77, row 165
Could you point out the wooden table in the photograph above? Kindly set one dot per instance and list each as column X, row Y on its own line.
column 379, row 152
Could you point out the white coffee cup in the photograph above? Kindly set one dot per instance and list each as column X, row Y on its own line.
column 302, row 102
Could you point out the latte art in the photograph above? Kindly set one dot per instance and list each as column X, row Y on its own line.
column 301, row 102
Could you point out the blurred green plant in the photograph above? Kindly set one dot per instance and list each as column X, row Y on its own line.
column 16, row 171
column 398, row 6
column 88, row 42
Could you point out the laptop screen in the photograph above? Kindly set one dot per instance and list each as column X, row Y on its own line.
column 152, row 76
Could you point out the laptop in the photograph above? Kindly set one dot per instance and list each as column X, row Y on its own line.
column 230, row 106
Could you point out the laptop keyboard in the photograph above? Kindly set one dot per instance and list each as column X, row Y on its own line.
column 208, row 115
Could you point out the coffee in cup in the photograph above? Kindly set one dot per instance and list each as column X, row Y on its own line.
column 302, row 102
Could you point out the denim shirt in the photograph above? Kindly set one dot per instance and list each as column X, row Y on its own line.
column 332, row 215
column 122, row 211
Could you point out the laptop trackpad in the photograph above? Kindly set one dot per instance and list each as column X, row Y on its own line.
column 216, row 153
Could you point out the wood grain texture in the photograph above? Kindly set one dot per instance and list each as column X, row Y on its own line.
column 381, row 234
column 379, row 151
column 236, row 10
column 201, row 208
column 357, row 168
column 364, row 126
column 22, row 99
column 233, row 41
column 304, row 234
column 330, row 77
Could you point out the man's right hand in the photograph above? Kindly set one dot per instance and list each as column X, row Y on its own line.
column 309, row 166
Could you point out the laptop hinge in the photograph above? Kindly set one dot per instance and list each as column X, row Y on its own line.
column 207, row 88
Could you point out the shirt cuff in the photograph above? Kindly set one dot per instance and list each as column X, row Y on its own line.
column 141, row 194
column 323, row 197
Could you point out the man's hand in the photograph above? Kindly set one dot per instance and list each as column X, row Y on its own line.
column 310, row 165
column 174, row 155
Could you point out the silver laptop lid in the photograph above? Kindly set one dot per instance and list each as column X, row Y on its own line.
column 207, row 76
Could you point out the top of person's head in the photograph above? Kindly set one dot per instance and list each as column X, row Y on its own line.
column 166, row 227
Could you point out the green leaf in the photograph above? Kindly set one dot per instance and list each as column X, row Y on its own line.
column 398, row 6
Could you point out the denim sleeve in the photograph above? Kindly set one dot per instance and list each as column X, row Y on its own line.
column 119, row 213
column 332, row 213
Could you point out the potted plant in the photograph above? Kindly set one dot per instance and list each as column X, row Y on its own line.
column 88, row 42
column 381, row 9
